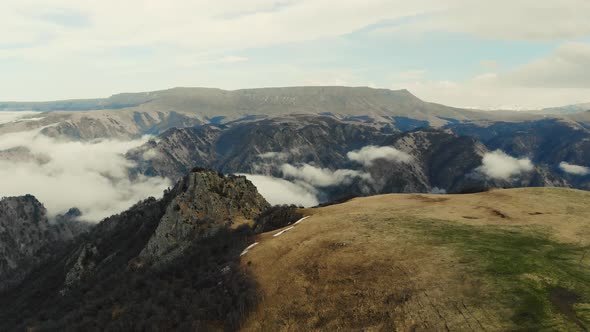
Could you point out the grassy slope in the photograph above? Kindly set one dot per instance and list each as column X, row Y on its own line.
column 504, row 260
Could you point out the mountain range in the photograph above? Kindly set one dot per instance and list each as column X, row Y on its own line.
column 224, row 248
column 134, row 114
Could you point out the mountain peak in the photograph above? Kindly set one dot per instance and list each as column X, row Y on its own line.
column 205, row 201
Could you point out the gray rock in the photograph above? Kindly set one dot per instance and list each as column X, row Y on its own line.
column 207, row 203
column 28, row 237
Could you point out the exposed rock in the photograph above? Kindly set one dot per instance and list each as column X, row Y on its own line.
column 154, row 232
column 84, row 265
column 206, row 203
column 28, row 238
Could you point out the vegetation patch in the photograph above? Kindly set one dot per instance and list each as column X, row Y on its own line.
column 546, row 283
column 277, row 217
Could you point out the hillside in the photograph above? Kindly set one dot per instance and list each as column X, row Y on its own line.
column 502, row 260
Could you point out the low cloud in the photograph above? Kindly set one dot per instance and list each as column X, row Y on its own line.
column 92, row 176
column 499, row 165
column 438, row 191
column 151, row 154
column 369, row 154
column 322, row 177
column 280, row 191
column 301, row 184
column 274, row 155
column 7, row 117
column 574, row 169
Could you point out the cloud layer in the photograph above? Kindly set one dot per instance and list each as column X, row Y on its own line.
column 550, row 80
column 280, row 191
column 7, row 117
column 90, row 176
column 499, row 165
column 322, row 177
column 231, row 44
column 368, row 154
column 574, row 169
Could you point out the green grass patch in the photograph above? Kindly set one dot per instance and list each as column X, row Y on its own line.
column 546, row 283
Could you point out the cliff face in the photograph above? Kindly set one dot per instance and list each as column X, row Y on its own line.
column 27, row 237
column 251, row 146
column 441, row 159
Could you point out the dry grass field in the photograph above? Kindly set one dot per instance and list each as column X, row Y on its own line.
column 515, row 259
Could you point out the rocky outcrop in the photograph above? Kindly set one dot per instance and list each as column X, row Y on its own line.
column 175, row 255
column 28, row 237
column 155, row 232
column 84, row 265
column 206, row 202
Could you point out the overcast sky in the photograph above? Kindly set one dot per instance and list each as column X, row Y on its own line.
column 471, row 53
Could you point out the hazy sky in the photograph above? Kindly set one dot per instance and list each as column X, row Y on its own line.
column 489, row 54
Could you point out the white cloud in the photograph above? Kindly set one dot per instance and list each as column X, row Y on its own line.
column 438, row 191
column 368, row 154
column 574, row 169
column 7, row 117
column 280, row 191
column 519, row 20
column 274, row 155
column 560, row 69
column 522, row 20
column 499, row 165
column 151, row 154
column 185, row 38
column 90, row 176
column 232, row 59
column 322, row 177
column 552, row 80
column 196, row 24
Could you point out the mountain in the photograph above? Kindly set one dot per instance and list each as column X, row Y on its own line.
column 237, row 147
column 28, row 237
column 503, row 260
column 119, row 101
column 164, row 264
column 546, row 142
column 103, row 124
column 134, row 114
column 569, row 109
column 440, row 160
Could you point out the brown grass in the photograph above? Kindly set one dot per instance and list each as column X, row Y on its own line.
column 358, row 266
